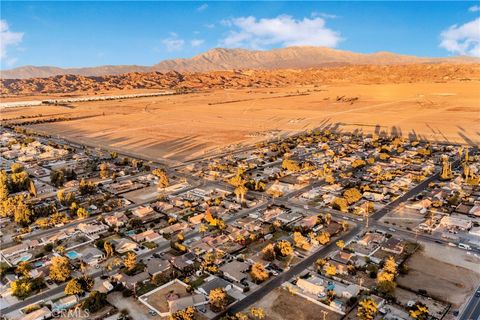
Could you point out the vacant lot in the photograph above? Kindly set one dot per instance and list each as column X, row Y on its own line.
column 188, row 126
column 443, row 280
column 282, row 305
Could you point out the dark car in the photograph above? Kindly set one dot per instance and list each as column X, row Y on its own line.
column 477, row 294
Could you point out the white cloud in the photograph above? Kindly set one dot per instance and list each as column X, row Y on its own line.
column 324, row 15
column 282, row 30
column 474, row 8
column 463, row 39
column 203, row 7
column 8, row 38
column 173, row 44
column 196, row 42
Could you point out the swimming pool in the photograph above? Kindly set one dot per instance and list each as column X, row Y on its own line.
column 72, row 255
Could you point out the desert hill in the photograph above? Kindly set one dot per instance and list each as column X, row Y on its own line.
column 173, row 80
column 231, row 59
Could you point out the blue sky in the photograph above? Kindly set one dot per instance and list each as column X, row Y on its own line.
column 70, row 34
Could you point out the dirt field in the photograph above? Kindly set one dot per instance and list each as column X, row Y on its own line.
column 445, row 281
column 187, row 126
column 281, row 305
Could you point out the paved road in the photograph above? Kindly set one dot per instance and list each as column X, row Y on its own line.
column 277, row 281
column 472, row 310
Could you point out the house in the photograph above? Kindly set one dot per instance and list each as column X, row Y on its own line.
column 117, row 219
column 342, row 257
column 124, row 245
column 54, row 237
column 313, row 285
column 65, row 303
column 196, row 219
column 370, row 238
column 143, row 211
column 174, row 228
column 149, row 236
column 214, row 282
column 184, row 302
column 184, row 261
column 156, row 266
column 456, row 223
column 235, row 270
column 19, row 248
column 93, row 228
column 92, row 256
column 131, row 282
column 393, row 245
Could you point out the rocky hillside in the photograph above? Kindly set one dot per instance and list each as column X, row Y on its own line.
column 232, row 59
column 242, row 79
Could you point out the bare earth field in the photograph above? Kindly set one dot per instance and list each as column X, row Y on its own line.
column 281, row 305
column 441, row 278
column 187, row 126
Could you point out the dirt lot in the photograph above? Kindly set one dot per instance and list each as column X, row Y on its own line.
column 443, row 280
column 281, row 305
column 187, row 126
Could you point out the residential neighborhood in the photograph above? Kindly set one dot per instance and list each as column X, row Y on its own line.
column 333, row 219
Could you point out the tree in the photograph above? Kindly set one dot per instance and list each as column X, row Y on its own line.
column 163, row 180
column 202, row 228
column 218, row 299
column 23, row 269
column 21, row 288
column 4, row 191
column 352, row 195
column 320, row 263
column 57, row 178
column 419, row 311
column 390, row 265
column 340, row 204
column 258, row 273
column 130, row 261
column 283, row 248
column 95, row 301
column 269, row 252
column 344, row 225
column 104, row 170
column 257, row 313
column 107, row 246
column 82, row 213
column 86, row 187
column 340, row 244
column 367, row 309
column 185, row 314
column 300, row 241
column 358, row 163
column 240, row 192
column 330, row 269
column 21, row 212
column 329, row 179
column 290, row 165
column 73, row 287
column 59, row 269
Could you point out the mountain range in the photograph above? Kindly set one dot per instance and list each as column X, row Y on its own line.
column 234, row 59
